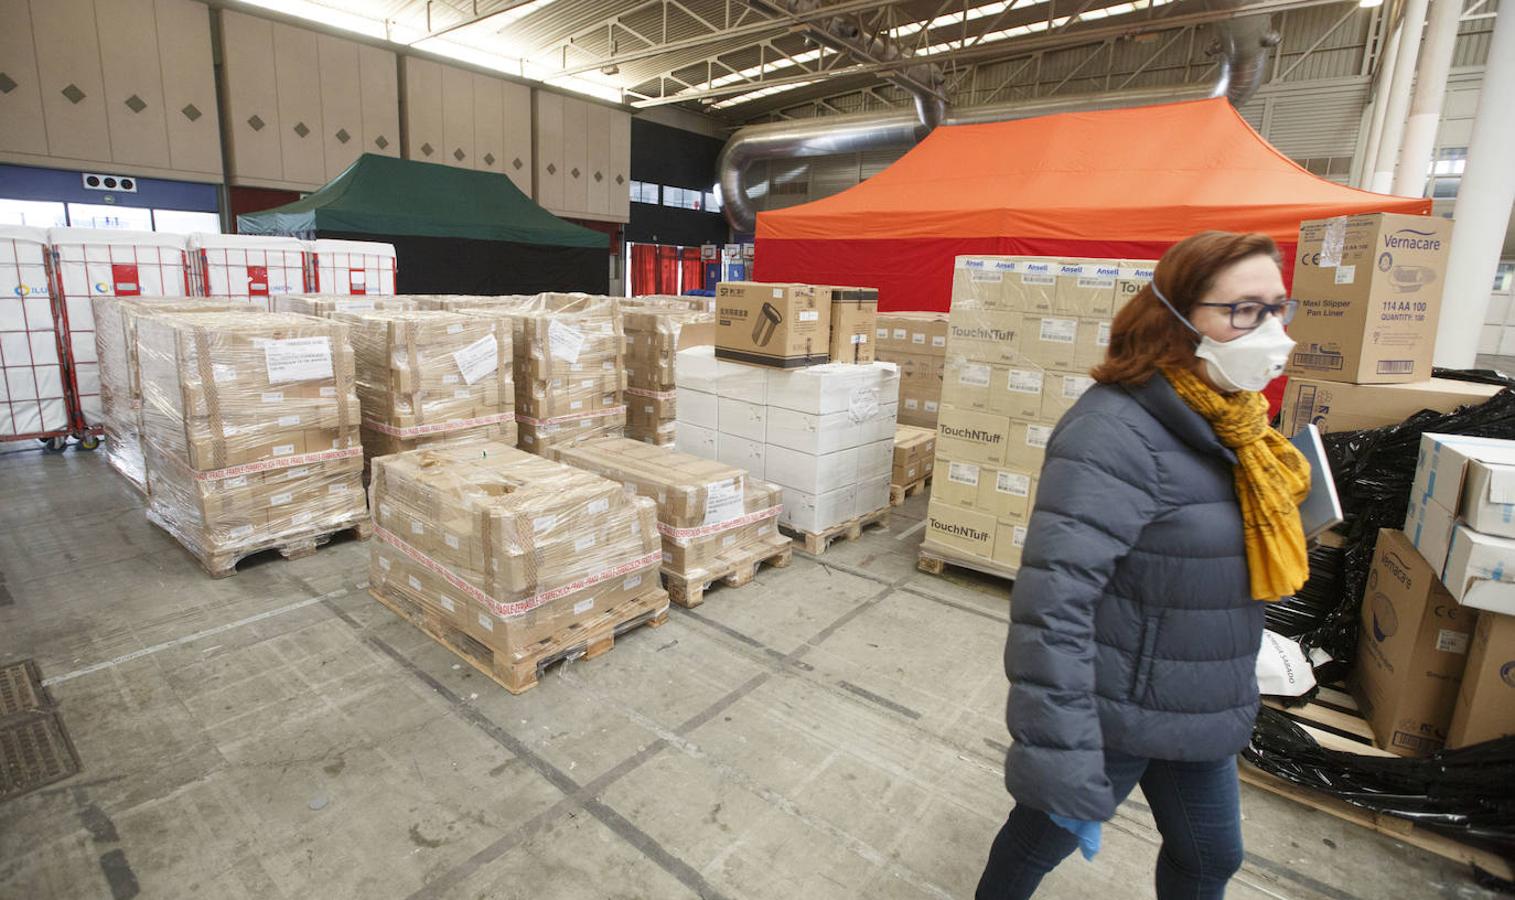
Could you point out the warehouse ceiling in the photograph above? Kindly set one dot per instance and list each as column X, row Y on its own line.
column 739, row 60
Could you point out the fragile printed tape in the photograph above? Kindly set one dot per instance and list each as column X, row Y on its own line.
column 574, row 417
column 283, row 462
column 655, row 395
column 437, row 427
column 682, row 536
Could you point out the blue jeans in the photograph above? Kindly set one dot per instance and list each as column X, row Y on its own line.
column 1197, row 806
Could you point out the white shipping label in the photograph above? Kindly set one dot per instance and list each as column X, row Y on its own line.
column 860, row 339
column 1038, row 435
column 938, row 340
column 485, row 622
column 1059, row 331
column 723, row 500
column 600, row 506
column 461, row 393
column 273, row 396
column 631, row 583
column 1013, row 483
column 416, row 527
column 809, row 315
column 932, row 406
column 222, row 372
column 1026, row 381
column 1102, row 336
column 284, row 450
column 241, row 531
column 543, row 523
column 447, row 603
column 297, row 472
column 583, row 606
column 882, row 333
column 450, row 379
column 280, row 499
column 239, row 481
column 583, row 543
column 298, row 359
column 1074, row 386
column 912, row 403
column 1046, row 279
column 727, row 541
column 564, row 341
column 918, row 338
column 354, row 306
column 452, row 541
column 288, row 421
column 384, row 563
column 1346, row 274
column 479, row 359
column 1018, row 536
column 963, row 473
column 983, row 275
column 1333, row 241
column 1452, row 642
column 778, row 293
column 974, row 376
column 900, row 334
column 337, row 489
column 328, row 391
column 414, row 582
column 455, row 328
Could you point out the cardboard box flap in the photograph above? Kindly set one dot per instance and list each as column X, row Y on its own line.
column 1501, row 484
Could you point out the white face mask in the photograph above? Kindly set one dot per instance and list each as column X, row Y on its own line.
column 1245, row 363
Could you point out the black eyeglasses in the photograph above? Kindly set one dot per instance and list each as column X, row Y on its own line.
column 1248, row 314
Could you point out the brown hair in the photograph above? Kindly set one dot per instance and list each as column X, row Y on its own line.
column 1145, row 336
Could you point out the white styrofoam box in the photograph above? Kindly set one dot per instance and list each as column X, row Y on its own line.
column 697, row 408
column 1429, row 526
column 351, row 267
column 108, row 262
column 872, row 495
column 698, row 369
column 884, row 423
column 1480, row 571
column 816, row 512
column 831, row 388
column 1473, row 477
column 743, row 453
column 810, row 433
column 874, row 459
column 31, row 379
column 1507, row 341
column 1499, row 309
column 694, row 440
column 809, row 472
column 742, row 419
column 248, row 267
column 1488, row 338
column 888, row 380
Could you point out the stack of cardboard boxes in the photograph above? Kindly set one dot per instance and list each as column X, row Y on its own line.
column 914, row 455
column 326, row 305
column 570, row 368
column 427, row 377
column 455, row 302
column 1369, row 288
column 917, row 343
column 1437, row 648
column 513, row 551
column 120, row 381
column 250, row 431
column 1023, row 334
column 714, row 520
column 654, row 336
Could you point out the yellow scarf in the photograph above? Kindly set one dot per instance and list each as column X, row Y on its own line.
column 1272, row 479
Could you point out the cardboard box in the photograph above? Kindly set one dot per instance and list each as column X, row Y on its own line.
column 912, row 333
column 837, row 387
column 1334, row 406
column 875, row 459
column 1485, row 706
column 808, row 473
column 1086, row 288
column 960, row 531
column 748, row 455
column 1022, row 392
column 1052, row 342
column 1093, row 344
column 959, row 484
column 1480, row 570
column 810, row 433
column 1412, row 650
column 872, row 495
column 854, row 319
column 780, row 325
column 742, row 419
column 816, row 512
column 1370, row 291
column 1134, row 275
column 1026, row 445
column 972, row 437
column 1009, row 542
column 699, row 370
column 698, row 408
column 1007, row 494
column 1429, row 526
column 986, row 282
column 1062, row 390
column 1472, row 477
column 970, row 385
column 986, row 335
column 919, row 408
column 695, row 440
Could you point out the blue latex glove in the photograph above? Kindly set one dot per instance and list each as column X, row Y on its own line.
column 1086, row 832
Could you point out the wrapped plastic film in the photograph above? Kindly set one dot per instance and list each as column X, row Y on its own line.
column 710, row 515
column 570, row 373
column 250, row 430
column 455, row 302
column 508, row 547
column 327, row 305
column 428, row 377
column 654, row 337
column 120, row 381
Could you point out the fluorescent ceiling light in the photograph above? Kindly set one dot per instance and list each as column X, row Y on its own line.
column 335, row 18
column 763, row 92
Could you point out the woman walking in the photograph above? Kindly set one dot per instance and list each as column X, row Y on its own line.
column 1166, row 515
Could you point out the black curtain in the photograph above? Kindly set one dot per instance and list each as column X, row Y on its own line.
column 433, row 265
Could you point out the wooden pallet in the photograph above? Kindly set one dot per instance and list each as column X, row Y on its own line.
column 583, row 640
column 899, row 493
column 852, row 529
column 224, row 564
column 934, row 562
column 1334, row 721
column 737, row 570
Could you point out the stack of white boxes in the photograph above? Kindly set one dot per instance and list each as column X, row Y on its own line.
column 823, row 433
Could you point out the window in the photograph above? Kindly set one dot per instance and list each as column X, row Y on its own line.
column 185, row 221
column 36, row 213
column 1504, row 277
column 1331, row 168
column 92, row 215
column 712, row 201
column 683, row 198
column 644, row 192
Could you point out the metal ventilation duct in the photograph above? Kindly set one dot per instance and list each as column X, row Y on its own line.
column 1242, row 45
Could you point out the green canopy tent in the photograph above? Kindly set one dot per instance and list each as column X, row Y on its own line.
column 455, row 231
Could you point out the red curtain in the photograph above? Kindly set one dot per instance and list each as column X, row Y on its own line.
column 644, row 269
column 693, row 269
column 668, row 269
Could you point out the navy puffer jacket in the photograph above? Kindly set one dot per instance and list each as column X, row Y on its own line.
column 1132, row 622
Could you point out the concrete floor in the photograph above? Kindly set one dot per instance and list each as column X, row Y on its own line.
column 832, row 731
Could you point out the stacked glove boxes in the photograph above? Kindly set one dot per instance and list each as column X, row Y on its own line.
column 654, row 337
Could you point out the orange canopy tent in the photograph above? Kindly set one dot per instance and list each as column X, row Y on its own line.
column 1123, row 183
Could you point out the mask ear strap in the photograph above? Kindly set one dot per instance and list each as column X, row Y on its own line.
column 1187, row 324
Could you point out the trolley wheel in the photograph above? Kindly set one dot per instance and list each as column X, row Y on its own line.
column 89, row 441
column 55, row 444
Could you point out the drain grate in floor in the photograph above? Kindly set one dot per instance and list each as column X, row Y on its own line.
column 34, row 746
